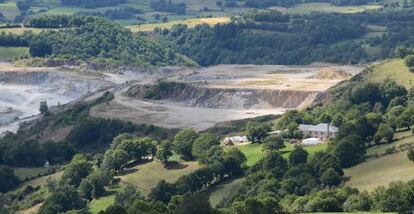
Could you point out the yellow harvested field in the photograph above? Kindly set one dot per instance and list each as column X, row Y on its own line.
column 189, row 22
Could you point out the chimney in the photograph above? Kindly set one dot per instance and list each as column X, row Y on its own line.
column 328, row 131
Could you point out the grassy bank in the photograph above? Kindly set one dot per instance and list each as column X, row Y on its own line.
column 383, row 170
column 12, row 52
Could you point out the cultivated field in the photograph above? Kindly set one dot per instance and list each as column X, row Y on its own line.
column 189, row 22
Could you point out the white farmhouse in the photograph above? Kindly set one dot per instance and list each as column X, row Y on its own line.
column 322, row 131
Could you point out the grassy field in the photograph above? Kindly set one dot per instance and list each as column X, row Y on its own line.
column 104, row 202
column 195, row 9
column 189, row 22
column 148, row 175
column 223, row 189
column 25, row 172
column 383, row 170
column 254, row 152
column 327, row 7
column 380, row 172
column 12, row 52
column 393, row 69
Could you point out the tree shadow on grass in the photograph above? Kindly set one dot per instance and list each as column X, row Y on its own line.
column 136, row 163
column 346, row 178
column 127, row 171
column 109, row 192
column 175, row 165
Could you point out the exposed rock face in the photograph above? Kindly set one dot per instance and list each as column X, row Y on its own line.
column 227, row 98
column 61, row 83
column 22, row 91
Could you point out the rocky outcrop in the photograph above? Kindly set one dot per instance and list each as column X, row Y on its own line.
column 226, row 98
column 67, row 84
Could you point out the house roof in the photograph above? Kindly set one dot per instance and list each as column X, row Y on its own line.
column 321, row 127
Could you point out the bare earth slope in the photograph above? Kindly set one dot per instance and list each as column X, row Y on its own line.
column 209, row 96
column 221, row 93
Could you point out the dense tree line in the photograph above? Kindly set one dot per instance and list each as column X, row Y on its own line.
column 57, row 21
column 275, row 178
column 395, row 198
column 14, row 40
column 307, row 39
column 168, row 6
column 24, row 6
column 222, row 164
column 291, row 3
column 350, row 2
column 8, row 180
column 103, row 41
column 269, row 3
column 274, row 38
column 91, row 3
column 400, row 28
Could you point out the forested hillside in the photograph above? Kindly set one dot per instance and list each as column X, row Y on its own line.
column 103, row 41
column 290, row 3
column 92, row 4
column 271, row 38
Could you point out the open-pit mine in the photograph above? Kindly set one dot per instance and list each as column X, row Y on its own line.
column 199, row 98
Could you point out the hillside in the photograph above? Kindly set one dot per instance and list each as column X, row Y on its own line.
column 144, row 11
column 182, row 107
column 382, row 168
column 394, row 69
